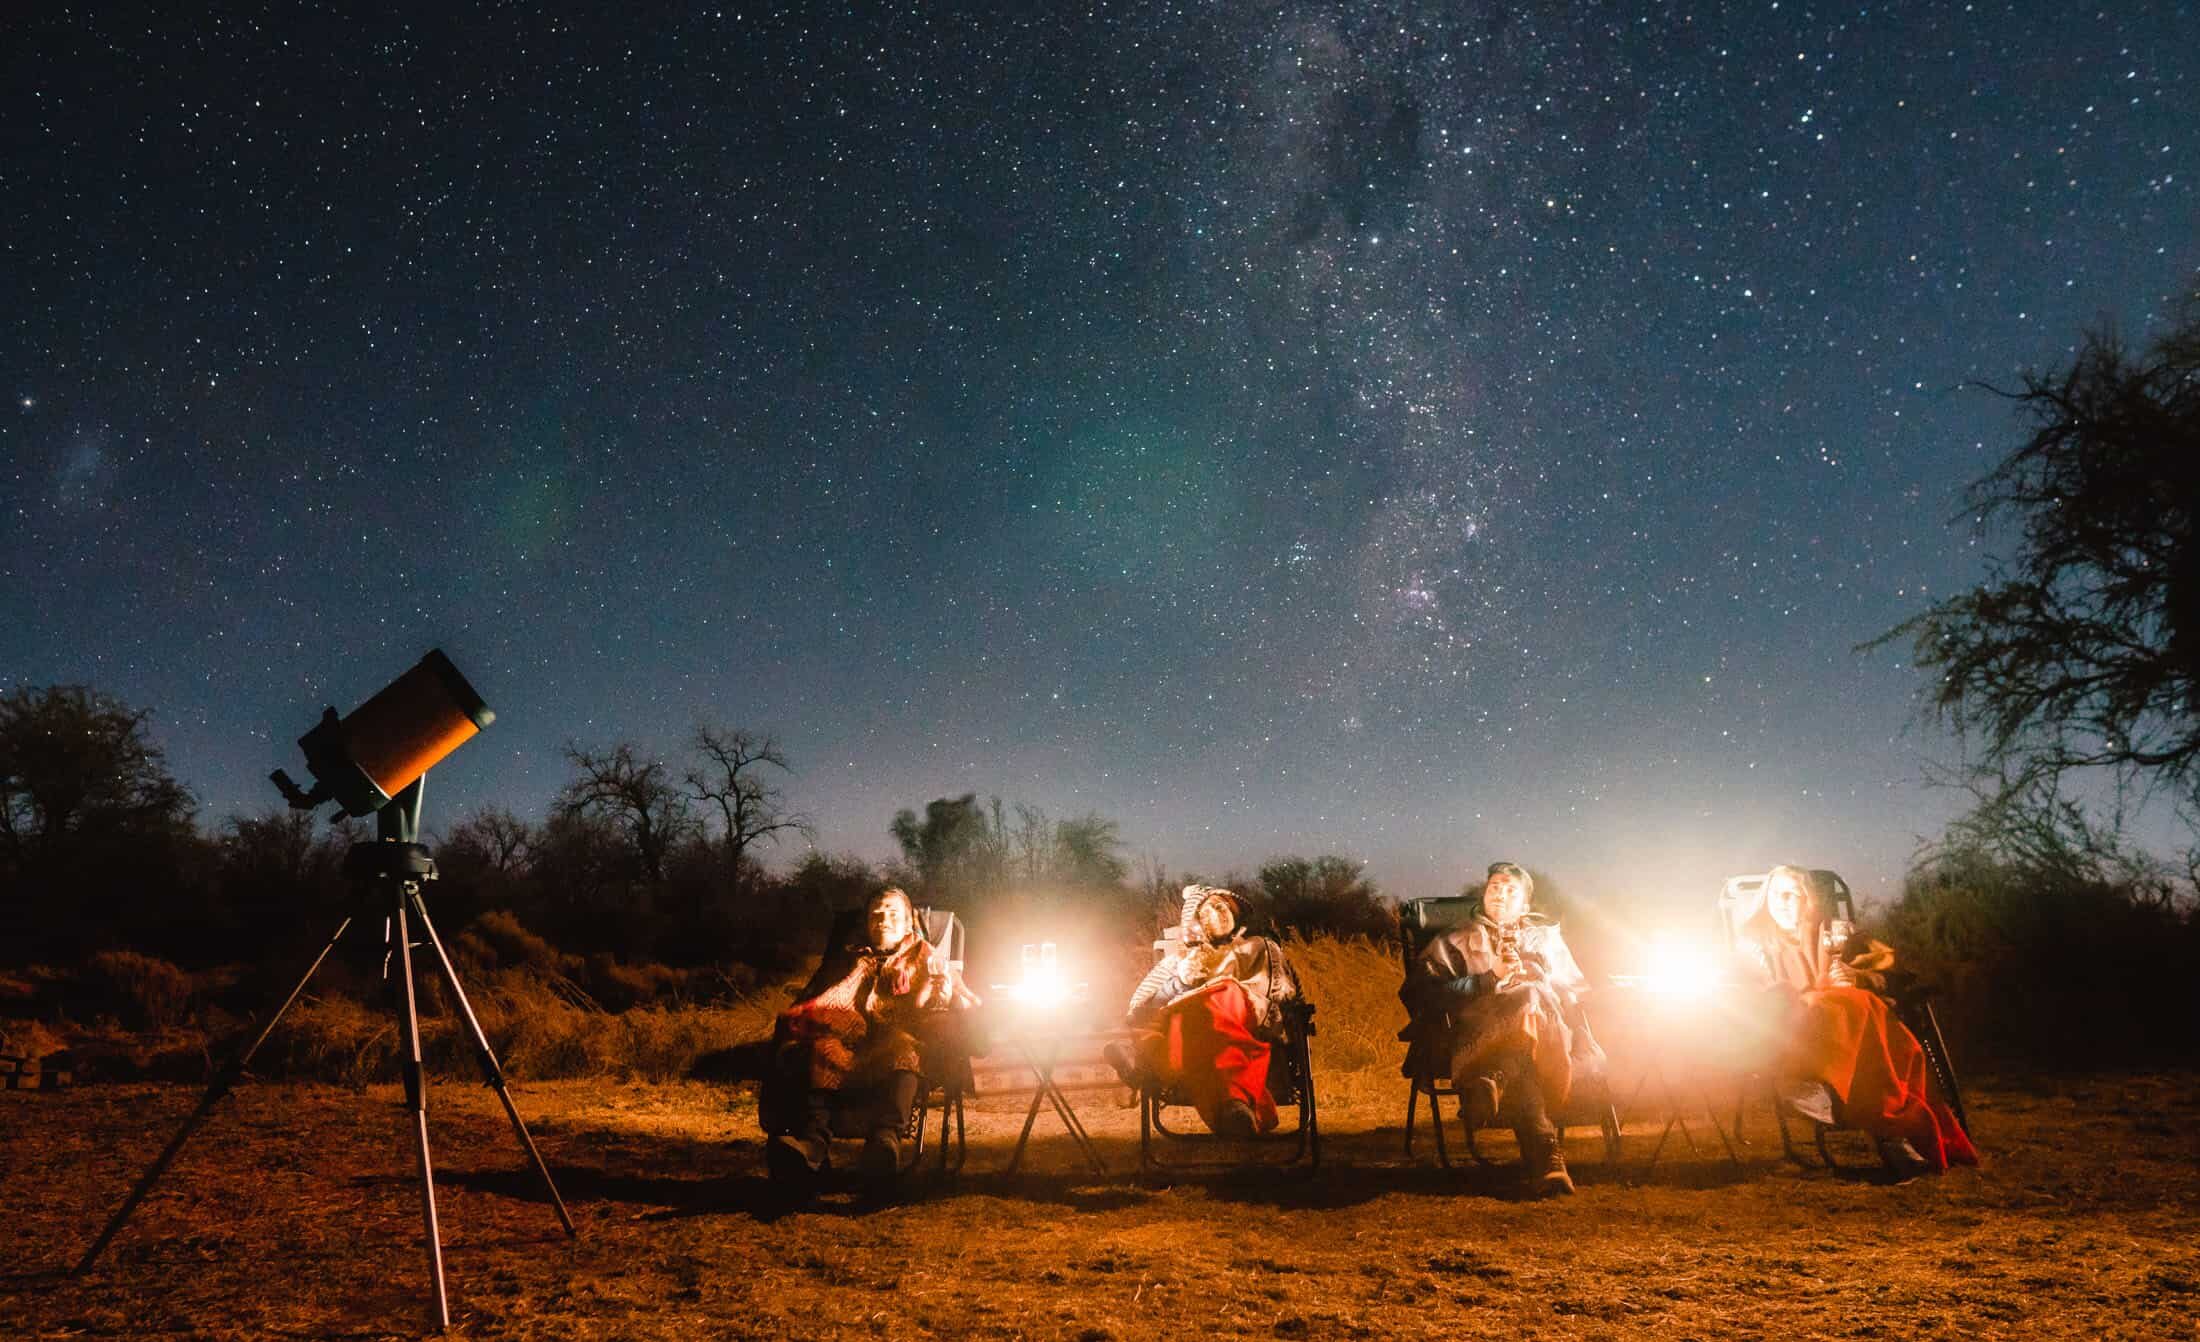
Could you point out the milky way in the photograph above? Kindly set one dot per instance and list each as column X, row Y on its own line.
column 1421, row 432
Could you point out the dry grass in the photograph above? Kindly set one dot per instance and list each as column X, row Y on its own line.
column 295, row 1214
column 537, row 1034
column 544, row 1013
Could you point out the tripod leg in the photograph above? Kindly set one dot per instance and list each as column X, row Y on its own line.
column 416, row 1100
column 223, row 1082
column 491, row 1072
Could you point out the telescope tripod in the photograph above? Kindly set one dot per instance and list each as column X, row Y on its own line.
column 392, row 868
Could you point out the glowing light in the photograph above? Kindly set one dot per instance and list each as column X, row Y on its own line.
column 1044, row 986
column 1041, row 991
column 1680, row 971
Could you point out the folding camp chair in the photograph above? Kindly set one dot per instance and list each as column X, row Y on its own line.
column 1738, row 900
column 1428, row 1071
column 1290, row 1084
column 946, row 1078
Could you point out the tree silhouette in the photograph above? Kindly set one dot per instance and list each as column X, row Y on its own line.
column 751, row 808
column 957, row 849
column 76, row 764
column 2082, row 650
column 93, row 830
column 493, row 842
column 636, row 795
column 1324, row 894
column 1088, row 853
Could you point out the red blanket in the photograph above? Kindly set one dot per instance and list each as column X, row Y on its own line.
column 1206, row 1043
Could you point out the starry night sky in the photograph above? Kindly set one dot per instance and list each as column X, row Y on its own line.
column 1425, row 432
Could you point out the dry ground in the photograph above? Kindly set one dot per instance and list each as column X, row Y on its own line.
column 294, row 1214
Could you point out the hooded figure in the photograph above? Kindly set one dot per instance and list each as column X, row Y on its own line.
column 1842, row 1056
column 1510, row 992
column 1204, row 1018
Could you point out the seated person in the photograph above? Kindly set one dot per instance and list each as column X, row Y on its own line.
column 852, row 1044
column 1509, row 995
column 1204, row 1018
column 1842, row 1054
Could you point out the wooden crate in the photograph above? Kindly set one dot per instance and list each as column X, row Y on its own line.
column 20, row 1073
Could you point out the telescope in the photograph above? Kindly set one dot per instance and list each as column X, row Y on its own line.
column 375, row 762
column 362, row 762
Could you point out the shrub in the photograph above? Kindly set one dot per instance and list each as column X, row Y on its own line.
column 329, row 1039
column 2040, row 965
column 141, row 992
column 496, row 940
column 619, row 986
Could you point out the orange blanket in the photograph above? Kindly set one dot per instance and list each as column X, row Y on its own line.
column 1849, row 1039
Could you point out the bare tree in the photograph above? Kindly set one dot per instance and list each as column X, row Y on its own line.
column 1031, row 845
column 489, row 851
column 2082, row 651
column 751, row 808
column 635, row 794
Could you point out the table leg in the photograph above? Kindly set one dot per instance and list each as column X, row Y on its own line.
column 1075, row 1124
column 1031, row 1115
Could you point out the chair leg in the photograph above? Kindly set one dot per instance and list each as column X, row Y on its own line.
column 1413, row 1099
column 1436, row 1121
column 1310, row 1116
column 1941, row 1066
column 1787, row 1142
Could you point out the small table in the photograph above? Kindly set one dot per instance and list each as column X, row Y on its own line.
column 1043, row 1056
column 1669, row 1075
column 1037, row 1036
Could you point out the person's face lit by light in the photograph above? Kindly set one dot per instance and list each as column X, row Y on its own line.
column 1784, row 901
column 890, row 920
column 1504, row 899
column 1215, row 918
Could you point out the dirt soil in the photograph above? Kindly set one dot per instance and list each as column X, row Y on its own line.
column 294, row 1213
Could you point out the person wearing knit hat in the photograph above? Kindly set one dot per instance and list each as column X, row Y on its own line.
column 1203, row 1018
column 1509, row 991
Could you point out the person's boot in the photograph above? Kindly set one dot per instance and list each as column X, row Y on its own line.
column 1903, row 1162
column 1235, row 1120
column 794, row 1161
column 882, row 1155
column 1124, row 1059
column 1545, row 1160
